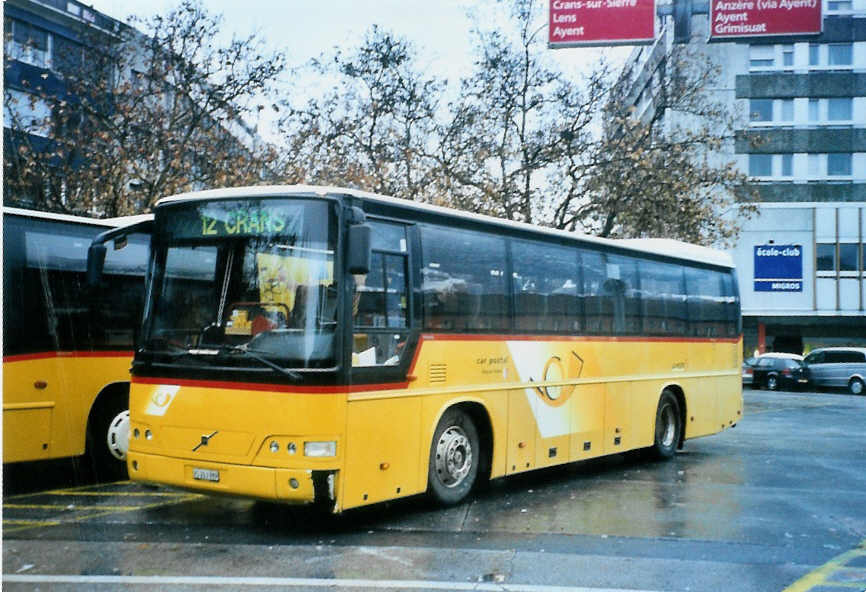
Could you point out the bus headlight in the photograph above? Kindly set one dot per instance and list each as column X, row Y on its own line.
column 320, row 449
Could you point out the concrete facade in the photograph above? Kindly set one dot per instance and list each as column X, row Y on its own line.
column 800, row 107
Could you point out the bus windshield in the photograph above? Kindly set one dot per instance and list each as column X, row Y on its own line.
column 245, row 284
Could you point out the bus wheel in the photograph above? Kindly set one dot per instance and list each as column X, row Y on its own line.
column 108, row 438
column 668, row 427
column 855, row 386
column 454, row 457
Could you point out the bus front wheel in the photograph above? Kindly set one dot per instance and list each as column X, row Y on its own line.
column 668, row 427
column 454, row 458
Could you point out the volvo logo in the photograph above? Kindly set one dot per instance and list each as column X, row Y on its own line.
column 204, row 440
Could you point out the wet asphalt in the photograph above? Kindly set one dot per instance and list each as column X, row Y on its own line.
column 757, row 508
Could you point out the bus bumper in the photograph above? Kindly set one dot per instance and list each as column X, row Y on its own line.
column 293, row 486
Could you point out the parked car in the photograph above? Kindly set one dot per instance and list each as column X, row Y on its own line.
column 749, row 371
column 843, row 367
column 779, row 371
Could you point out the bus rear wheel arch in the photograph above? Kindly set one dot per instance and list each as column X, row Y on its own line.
column 108, row 432
column 456, row 455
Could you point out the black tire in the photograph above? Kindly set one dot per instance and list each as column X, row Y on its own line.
column 104, row 434
column 856, row 386
column 455, row 454
column 772, row 383
column 668, row 427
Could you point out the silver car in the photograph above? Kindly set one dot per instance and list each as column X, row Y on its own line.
column 843, row 367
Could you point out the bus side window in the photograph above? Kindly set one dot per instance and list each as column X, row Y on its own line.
column 463, row 280
column 663, row 299
column 706, row 305
column 597, row 315
column 545, row 280
column 621, row 290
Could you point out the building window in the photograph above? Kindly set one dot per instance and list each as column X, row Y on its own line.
column 839, row 5
column 839, row 164
column 787, row 56
column 787, row 110
column 848, row 257
column 839, row 109
column 762, row 56
column 761, row 109
column 787, row 165
column 840, row 54
column 26, row 43
column 760, row 165
column 27, row 113
column 814, row 54
column 814, row 168
column 825, row 257
column 814, row 110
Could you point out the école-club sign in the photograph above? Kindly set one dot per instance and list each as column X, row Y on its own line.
column 778, row 268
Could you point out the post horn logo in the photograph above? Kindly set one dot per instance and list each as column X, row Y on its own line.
column 554, row 371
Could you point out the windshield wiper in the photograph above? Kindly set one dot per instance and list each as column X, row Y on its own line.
column 252, row 354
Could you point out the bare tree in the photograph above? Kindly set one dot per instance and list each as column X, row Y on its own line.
column 514, row 116
column 526, row 143
column 375, row 127
column 145, row 115
column 666, row 173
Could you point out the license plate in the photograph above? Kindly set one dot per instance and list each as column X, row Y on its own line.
column 206, row 475
column 803, row 380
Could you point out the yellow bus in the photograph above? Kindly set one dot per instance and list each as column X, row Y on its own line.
column 67, row 350
column 329, row 346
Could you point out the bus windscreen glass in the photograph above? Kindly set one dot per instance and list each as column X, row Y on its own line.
column 245, row 284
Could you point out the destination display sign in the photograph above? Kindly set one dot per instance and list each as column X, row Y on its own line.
column 778, row 268
column 730, row 19
column 217, row 219
column 575, row 23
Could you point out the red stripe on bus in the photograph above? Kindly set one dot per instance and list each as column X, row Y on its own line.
column 67, row 354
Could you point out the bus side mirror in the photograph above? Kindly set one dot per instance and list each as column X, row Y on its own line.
column 359, row 253
column 95, row 264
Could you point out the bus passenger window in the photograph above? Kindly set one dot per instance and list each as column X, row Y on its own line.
column 463, row 280
column 545, row 280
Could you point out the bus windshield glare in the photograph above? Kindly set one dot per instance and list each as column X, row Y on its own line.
column 246, row 284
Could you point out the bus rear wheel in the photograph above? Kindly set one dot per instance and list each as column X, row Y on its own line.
column 855, row 386
column 668, row 427
column 455, row 454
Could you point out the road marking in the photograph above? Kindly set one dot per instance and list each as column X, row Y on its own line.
column 89, row 490
column 23, row 522
column 210, row 581
column 12, row 525
column 112, row 493
column 822, row 575
column 67, row 507
column 165, row 498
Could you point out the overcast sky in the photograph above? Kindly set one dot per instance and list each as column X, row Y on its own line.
column 305, row 28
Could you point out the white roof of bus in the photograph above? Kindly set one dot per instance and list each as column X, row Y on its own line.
column 659, row 246
column 112, row 222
